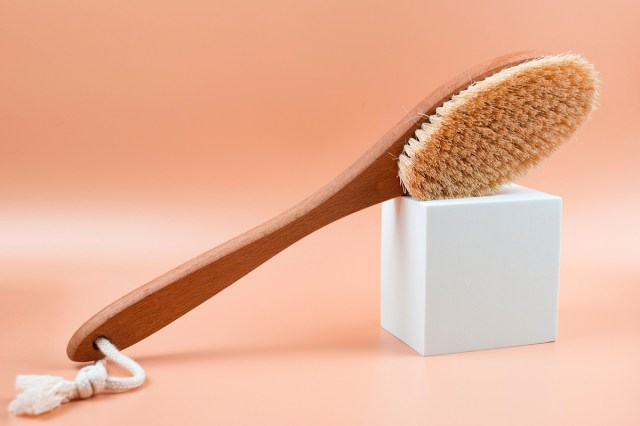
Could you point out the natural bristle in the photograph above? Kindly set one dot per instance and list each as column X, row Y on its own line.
column 497, row 129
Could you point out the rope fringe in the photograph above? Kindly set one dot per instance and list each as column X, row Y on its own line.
column 42, row 393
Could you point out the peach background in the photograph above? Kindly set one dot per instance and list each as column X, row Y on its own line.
column 137, row 134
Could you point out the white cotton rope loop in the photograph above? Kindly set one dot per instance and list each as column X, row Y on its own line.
column 42, row 393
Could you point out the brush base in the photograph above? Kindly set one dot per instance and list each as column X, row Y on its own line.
column 474, row 273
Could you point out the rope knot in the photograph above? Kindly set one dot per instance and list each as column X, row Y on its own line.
column 91, row 380
column 42, row 393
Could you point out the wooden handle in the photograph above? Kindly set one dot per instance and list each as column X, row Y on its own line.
column 156, row 304
column 371, row 180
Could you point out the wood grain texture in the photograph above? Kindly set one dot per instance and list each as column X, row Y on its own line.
column 370, row 180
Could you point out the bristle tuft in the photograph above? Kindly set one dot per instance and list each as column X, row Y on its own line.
column 498, row 128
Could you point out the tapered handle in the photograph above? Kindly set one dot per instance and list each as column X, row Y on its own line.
column 156, row 304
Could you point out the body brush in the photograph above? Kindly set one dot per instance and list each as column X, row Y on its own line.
column 474, row 134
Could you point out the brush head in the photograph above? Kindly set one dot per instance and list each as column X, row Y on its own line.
column 498, row 128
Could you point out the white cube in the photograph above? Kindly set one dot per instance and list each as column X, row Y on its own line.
column 474, row 273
